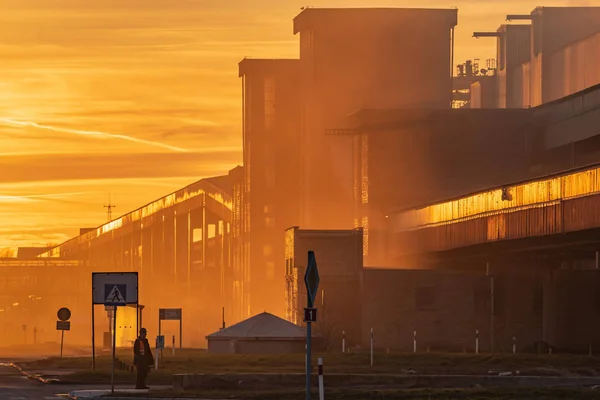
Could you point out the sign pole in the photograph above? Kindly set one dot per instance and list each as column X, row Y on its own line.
column 156, row 358
column 93, row 340
column 308, row 350
column 180, row 328
column 62, row 339
column 311, row 279
column 114, row 351
column 159, row 334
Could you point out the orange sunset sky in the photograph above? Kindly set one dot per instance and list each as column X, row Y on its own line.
column 138, row 98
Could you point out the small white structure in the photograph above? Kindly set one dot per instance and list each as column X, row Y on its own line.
column 262, row 334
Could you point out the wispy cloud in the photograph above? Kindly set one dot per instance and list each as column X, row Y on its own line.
column 40, row 197
column 94, row 134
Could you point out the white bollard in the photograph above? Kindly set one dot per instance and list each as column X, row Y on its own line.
column 173, row 345
column 477, row 341
column 514, row 345
column 371, row 347
column 343, row 341
column 321, row 385
column 414, row 341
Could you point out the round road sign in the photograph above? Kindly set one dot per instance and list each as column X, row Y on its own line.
column 64, row 314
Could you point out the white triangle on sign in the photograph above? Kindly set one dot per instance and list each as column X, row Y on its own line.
column 115, row 296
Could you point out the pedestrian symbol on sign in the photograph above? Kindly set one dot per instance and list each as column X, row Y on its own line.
column 115, row 294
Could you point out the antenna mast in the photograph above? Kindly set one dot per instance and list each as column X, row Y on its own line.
column 109, row 208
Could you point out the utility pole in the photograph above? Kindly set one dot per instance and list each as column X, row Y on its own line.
column 109, row 208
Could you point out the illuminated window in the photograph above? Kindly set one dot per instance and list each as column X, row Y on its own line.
column 212, row 231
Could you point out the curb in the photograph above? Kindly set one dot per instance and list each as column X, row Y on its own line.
column 135, row 398
column 33, row 377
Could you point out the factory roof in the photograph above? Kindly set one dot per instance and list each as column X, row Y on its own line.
column 266, row 65
column 261, row 326
column 310, row 18
column 219, row 188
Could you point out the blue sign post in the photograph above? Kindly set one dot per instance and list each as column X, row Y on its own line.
column 311, row 279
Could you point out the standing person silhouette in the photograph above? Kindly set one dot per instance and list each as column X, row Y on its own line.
column 142, row 358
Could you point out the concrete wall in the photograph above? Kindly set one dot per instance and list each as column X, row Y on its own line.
column 446, row 308
column 445, row 318
column 572, row 315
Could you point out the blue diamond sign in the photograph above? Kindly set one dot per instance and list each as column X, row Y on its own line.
column 311, row 279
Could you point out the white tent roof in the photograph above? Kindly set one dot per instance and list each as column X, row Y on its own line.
column 262, row 326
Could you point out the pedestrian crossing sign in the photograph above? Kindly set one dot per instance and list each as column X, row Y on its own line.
column 115, row 295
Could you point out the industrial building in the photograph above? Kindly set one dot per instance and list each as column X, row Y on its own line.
column 356, row 153
column 553, row 55
column 271, row 112
column 182, row 245
column 445, row 307
column 411, row 157
column 357, row 58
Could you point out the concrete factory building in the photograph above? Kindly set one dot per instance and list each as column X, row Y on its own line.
column 466, row 214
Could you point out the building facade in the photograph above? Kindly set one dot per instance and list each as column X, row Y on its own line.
column 271, row 184
column 339, row 261
column 353, row 59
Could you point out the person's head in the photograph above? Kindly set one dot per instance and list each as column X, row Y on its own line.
column 143, row 333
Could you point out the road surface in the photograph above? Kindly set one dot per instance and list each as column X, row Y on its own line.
column 14, row 386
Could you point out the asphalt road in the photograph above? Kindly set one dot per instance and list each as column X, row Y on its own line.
column 14, row 386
